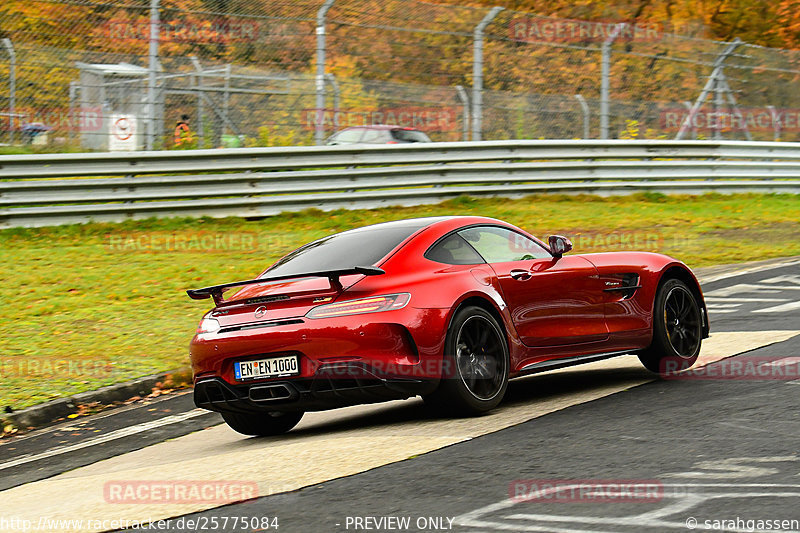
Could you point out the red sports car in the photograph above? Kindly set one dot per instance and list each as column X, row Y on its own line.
column 448, row 308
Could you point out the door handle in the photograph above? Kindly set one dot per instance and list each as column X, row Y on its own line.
column 520, row 275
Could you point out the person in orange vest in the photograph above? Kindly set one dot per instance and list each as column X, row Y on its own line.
column 182, row 131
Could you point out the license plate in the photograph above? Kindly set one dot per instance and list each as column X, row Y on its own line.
column 267, row 368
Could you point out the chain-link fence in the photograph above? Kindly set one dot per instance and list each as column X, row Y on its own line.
column 137, row 74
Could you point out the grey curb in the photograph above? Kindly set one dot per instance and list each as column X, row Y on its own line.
column 48, row 412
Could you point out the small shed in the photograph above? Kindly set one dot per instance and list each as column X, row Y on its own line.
column 119, row 91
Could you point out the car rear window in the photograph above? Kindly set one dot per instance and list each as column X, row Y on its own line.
column 410, row 136
column 361, row 247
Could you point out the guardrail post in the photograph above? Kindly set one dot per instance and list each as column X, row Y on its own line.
column 152, row 72
column 585, row 108
column 477, row 72
column 319, row 129
column 12, row 87
column 604, row 82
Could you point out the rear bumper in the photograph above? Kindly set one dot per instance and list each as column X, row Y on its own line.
column 335, row 385
column 405, row 343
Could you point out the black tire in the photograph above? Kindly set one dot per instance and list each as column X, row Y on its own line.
column 677, row 330
column 475, row 365
column 262, row 425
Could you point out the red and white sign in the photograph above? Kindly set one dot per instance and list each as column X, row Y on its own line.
column 123, row 133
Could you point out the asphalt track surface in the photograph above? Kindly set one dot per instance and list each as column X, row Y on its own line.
column 720, row 448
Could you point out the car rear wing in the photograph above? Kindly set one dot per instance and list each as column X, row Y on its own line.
column 215, row 291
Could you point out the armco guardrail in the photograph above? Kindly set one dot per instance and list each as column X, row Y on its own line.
column 265, row 181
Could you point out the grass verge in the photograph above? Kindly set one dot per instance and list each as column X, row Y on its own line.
column 91, row 305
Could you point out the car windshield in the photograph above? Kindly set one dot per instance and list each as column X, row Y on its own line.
column 411, row 136
column 360, row 247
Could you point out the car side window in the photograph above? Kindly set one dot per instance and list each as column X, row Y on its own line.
column 454, row 250
column 411, row 136
column 500, row 245
column 373, row 136
column 348, row 136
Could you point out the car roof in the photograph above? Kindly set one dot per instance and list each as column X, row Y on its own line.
column 421, row 222
column 381, row 127
column 443, row 223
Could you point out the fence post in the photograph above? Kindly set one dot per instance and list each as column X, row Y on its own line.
column 719, row 64
column 776, row 123
column 585, row 108
column 688, row 107
column 337, row 97
column 319, row 129
column 199, row 86
column 604, row 82
column 12, row 87
column 73, row 125
column 477, row 72
column 152, row 72
column 226, row 103
column 462, row 95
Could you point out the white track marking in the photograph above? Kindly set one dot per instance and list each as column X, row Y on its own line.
column 750, row 270
column 751, row 288
column 118, row 434
column 723, row 299
column 783, row 362
column 733, row 468
column 651, row 520
column 791, row 306
column 789, row 278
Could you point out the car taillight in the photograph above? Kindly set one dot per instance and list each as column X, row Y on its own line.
column 208, row 325
column 373, row 304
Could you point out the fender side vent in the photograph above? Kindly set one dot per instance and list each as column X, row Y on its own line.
column 626, row 286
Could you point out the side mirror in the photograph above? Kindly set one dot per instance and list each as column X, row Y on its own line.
column 559, row 245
